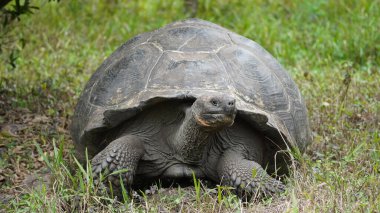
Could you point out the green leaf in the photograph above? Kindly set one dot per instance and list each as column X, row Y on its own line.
column 254, row 173
column 119, row 172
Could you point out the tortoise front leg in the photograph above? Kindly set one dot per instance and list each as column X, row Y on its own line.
column 123, row 153
column 246, row 176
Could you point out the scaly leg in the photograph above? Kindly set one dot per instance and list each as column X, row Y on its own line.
column 122, row 153
column 246, row 176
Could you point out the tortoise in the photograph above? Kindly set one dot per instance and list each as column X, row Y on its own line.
column 191, row 98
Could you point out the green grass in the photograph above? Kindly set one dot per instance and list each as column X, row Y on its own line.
column 331, row 48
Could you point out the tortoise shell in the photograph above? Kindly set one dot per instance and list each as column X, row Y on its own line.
column 184, row 60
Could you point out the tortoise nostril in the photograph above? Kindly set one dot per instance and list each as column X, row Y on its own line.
column 214, row 102
column 231, row 103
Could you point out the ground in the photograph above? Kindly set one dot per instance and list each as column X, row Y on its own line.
column 330, row 48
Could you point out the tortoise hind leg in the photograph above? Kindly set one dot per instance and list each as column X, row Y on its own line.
column 246, row 176
column 122, row 153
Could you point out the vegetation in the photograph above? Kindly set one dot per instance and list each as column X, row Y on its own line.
column 331, row 48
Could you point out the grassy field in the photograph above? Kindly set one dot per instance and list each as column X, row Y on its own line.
column 331, row 48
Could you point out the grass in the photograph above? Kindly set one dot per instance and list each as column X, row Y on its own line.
column 331, row 48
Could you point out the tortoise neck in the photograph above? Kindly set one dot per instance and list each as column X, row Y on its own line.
column 191, row 138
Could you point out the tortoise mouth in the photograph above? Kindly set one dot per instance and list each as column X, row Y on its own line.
column 216, row 120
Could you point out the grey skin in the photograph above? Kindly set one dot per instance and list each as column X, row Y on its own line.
column 177, row 138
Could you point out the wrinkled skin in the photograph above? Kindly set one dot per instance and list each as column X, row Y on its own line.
column 177, row 138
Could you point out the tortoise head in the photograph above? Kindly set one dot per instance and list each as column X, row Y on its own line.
column 214, row 111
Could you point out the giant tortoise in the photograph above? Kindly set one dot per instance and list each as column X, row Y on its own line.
column 191, row 98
